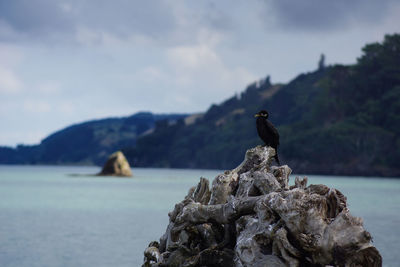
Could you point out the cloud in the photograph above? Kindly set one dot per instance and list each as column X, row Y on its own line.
column 9, row 82
column 152, row 75
column 125, row 17
column 193, row 57
column 66, row 107
column 93, row 21
column 175, row 21
column 36, row 106
column 29, row 137
column 34, row 19
column 199, row 71
column 325, row 15
column 49, row 87
column 10, row 58
column 62, row 19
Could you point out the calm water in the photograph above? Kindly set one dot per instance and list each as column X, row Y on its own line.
column 49, row 218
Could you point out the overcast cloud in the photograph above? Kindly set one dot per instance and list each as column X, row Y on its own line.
column 66, row 61
column 323, row 15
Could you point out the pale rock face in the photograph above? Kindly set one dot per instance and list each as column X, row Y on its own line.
column 116, row 165
column 251, row 217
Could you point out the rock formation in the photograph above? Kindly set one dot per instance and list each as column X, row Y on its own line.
column 116, row 165
column 251, row 217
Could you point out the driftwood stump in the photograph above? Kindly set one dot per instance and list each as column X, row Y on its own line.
column 251, row 217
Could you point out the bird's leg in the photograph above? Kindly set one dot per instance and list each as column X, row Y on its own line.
column 276, row 157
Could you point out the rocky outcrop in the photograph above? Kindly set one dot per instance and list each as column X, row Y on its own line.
column 252, row 217
column 116, row 165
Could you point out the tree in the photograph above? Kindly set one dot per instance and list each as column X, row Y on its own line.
column 321, row 62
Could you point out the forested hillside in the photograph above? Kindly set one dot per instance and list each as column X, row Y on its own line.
column 86, row 143
column 336, row 120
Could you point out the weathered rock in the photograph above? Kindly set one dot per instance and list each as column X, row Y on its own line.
column 252, row 217
column 116, row 165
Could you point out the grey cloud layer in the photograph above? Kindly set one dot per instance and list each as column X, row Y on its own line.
column 43, row 18
column 320, row 15
column 159, row 19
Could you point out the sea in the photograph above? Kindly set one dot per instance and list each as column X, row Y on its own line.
column 63, row 216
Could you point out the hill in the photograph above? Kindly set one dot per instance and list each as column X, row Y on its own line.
column 339, row 120
column 87, row 143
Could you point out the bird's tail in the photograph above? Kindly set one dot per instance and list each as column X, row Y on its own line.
column 277, row 158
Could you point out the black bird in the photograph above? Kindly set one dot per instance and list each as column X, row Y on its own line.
column 267, row 132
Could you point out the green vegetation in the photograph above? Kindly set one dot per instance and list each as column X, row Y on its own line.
column 336, row 120
column 86, row 143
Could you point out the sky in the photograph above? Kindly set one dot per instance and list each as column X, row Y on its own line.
column 68, row 61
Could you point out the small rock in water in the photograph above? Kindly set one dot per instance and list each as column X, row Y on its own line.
column 251, row 217
column 116, row 165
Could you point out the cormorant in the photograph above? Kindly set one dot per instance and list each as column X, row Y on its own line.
column 267, row 132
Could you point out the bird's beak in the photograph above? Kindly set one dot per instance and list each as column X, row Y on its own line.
column 257, row 115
